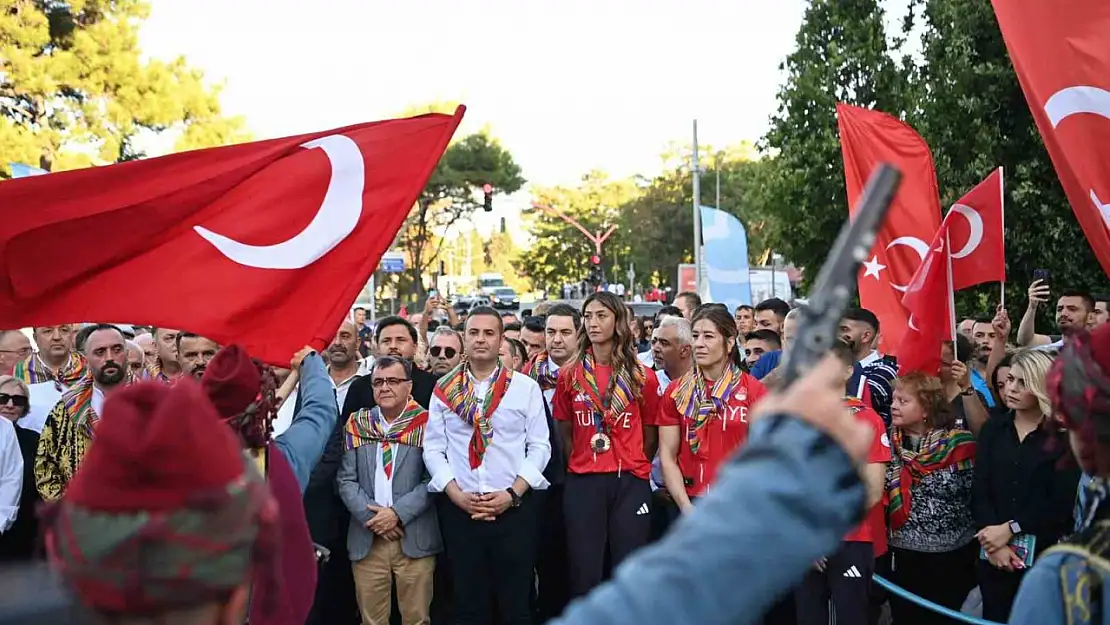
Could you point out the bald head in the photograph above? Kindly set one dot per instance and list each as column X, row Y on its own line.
column 343, row 351
column 136, row 359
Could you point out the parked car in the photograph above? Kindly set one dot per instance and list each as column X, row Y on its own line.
column 465, row 303
column 504, row 298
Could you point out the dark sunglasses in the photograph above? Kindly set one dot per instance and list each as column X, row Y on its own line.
column 19, row 401
column 442, row 352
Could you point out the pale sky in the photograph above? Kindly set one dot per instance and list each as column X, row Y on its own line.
column 566, row 85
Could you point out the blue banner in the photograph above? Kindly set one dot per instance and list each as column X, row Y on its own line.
column 19, row 170
column 725, row 258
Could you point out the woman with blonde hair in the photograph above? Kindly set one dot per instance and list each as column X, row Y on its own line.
column 1022, row 498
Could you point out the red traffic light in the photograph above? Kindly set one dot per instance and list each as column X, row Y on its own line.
column 487, row 189
column 595, row 259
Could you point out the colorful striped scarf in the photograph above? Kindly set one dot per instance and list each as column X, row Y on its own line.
column 619, row 394
column 154, row 372
column 939, row 449
column 539, row 369
column 456, row 389
column 78, row 406
column 699, row 404
column 32, row 370
column 365, row 426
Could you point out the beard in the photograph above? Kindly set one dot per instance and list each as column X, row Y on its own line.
column 110, row 374
column 198, row 371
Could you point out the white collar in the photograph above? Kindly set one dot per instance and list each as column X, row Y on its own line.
column 873, row 357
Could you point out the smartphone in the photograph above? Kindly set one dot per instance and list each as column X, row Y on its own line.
column 433, row 293
column 1041, row 274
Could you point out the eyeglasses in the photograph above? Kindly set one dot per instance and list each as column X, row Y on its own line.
column 19, row 401
column 22, row 353
column 442, row 352
column 383, row 382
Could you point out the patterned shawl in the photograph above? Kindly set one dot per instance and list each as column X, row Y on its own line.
column 456, row 389
column 939, row 449
column 617, row 397
column 155, row 372
column 539, row 369
column 32, row 370
column 78, row 406
column 365, row 426
column 698, row 403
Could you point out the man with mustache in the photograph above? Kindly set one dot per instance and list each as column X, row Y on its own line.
column 71, row 425
column 445, row 352
column 194, row 352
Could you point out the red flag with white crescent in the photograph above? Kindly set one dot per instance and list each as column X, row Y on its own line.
column 868, row 138
column 264, row 244
column 975, row 232
column 1061, row 53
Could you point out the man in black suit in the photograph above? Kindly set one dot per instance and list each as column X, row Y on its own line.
column 327, row 516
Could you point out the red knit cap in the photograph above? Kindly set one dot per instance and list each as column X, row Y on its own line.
column 243, row 390
column 165, row 511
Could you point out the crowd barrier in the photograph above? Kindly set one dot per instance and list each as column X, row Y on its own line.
column 929, row 605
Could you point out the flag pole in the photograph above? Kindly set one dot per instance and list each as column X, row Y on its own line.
column 694, row 166
column 1002, row 203
column 951, row 292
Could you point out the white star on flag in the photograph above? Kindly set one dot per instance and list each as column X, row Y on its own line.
column 873, row 267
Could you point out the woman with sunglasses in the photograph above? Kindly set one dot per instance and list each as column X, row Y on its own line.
column 18, row 495
column 606, row 406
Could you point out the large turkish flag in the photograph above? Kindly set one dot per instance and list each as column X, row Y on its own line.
column 868, row 138
column 1061, row 51
column 265, row 244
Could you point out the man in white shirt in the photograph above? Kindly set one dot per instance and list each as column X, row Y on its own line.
column 486, row 446
column 344, row 367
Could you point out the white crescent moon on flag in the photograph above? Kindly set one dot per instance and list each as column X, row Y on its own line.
column 1073, row 101
column 335, row 221
column 975, row 221
column 914, row 243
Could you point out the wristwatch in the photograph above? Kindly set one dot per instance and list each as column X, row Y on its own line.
column 970, row 391
column 516, row 497
column 1015, row 528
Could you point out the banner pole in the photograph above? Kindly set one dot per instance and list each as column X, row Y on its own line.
column 1002, row 198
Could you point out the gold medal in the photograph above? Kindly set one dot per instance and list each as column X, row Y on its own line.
column 600, row 443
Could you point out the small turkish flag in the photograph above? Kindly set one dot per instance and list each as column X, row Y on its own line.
column 265, row 244
column 975, row 235
column 868, row 138
column 1060, row 52
column 928, row 300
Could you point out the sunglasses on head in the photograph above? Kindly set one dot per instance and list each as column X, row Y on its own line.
column 19, row 401
column 443, row 352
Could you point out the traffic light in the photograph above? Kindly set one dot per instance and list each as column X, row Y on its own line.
column 487, row 200
column 596, row 274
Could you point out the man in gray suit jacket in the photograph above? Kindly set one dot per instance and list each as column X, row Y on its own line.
column 382, row 480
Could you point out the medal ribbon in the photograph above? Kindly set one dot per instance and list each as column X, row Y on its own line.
column 456, row 389
column 618, row 396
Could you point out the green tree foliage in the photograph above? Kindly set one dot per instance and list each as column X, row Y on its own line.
column 842, row 55
column 974, row 116
column 454, row 192
column 75, row 90
column 561, row 252
column 662, row 214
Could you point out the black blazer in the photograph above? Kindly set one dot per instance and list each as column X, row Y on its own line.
column 327, row 516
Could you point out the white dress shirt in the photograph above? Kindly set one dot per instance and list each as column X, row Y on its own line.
column 285, row 414
column 11, row 475
column 549, row 394
column 520, row 447
column 383, row 484
column 98, row 400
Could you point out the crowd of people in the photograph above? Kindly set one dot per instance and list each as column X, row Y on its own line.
column 490, row 467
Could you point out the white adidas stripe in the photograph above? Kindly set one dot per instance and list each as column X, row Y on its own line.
column 643, row 510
